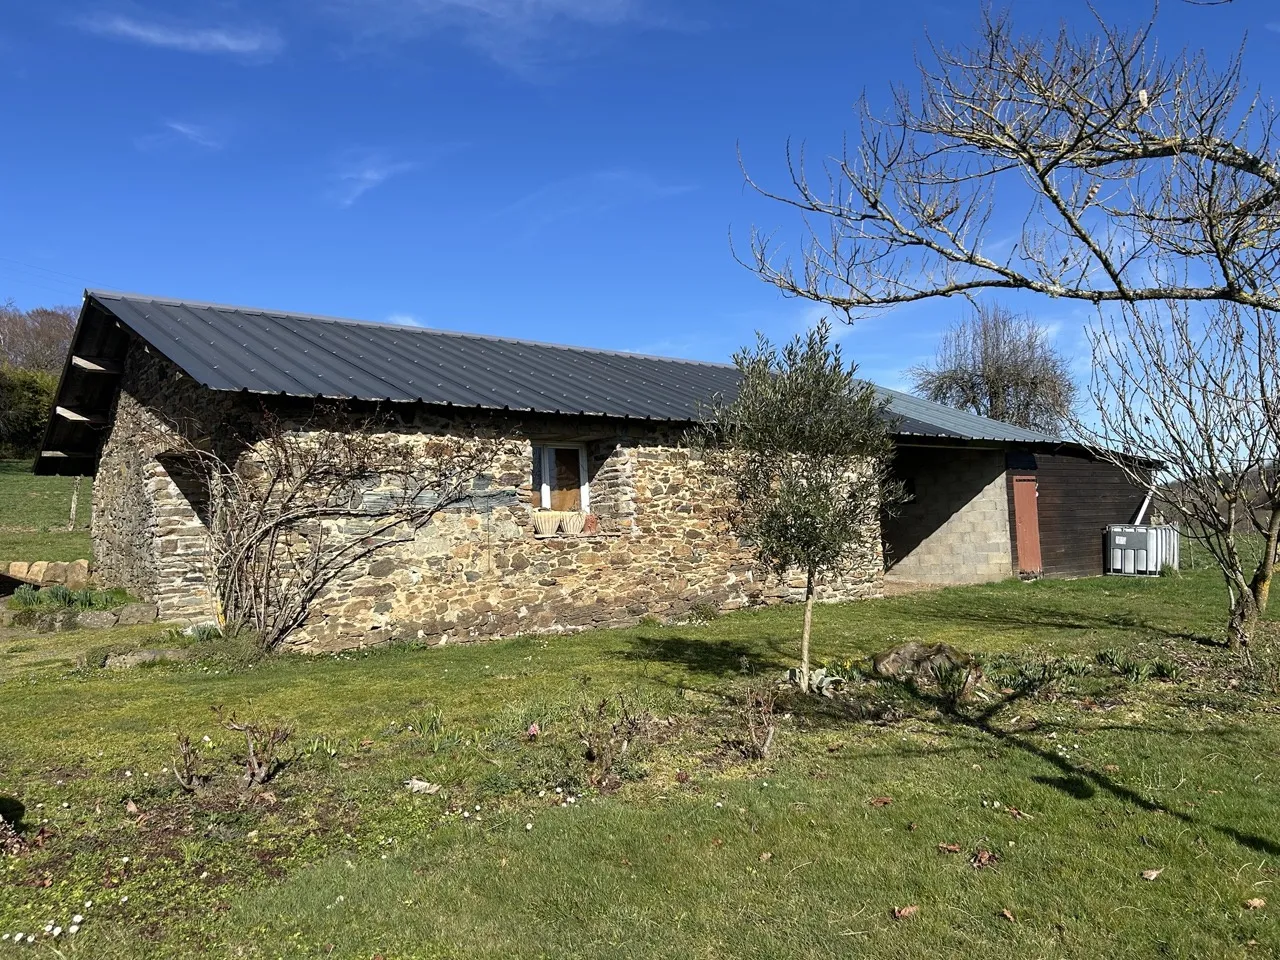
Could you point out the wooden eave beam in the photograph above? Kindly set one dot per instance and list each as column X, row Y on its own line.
column 94, row 419
column 97, row 365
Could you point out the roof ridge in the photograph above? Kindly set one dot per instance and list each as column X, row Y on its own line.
column 1046, row 437
column 402, row 327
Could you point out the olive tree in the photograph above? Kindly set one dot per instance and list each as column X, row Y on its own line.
column 805, row 446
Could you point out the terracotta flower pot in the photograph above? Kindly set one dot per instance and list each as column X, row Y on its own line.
column 546, row 522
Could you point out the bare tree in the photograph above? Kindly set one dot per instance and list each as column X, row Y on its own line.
column 291, row 504
column 1001, row 365
column 36, row 339
column 1146, row 185
column 1200, row 391
column 1133, row 176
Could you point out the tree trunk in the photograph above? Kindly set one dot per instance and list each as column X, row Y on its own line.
column 1244, row 618
column 75, row 503
column 1260, row 585
column 804, row 636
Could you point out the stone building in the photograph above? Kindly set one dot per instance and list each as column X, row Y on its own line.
column 592, row 436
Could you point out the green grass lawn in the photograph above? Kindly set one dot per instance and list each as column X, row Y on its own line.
column 34, row 512
column 1067, row 776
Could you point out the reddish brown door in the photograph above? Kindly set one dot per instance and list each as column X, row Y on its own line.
column 1027, row 522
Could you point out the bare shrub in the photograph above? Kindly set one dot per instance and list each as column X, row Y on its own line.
column 758, row 703
column 262, row 743
column 189, row 767
column 613, row 736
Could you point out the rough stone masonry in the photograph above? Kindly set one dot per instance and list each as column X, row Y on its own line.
column 662, row 543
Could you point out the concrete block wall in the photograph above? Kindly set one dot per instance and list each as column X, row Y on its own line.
column 955, row 529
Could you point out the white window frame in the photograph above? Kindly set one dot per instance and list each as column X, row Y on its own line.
column 547, row 451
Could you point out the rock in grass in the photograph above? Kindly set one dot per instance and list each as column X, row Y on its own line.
column 913, row 659
column 96, row 619
column 117, row 661
column 132, row 614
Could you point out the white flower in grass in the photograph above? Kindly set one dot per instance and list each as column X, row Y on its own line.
column 77, row 919
column 74, row 928
column 48, row 927
column 125, row 898
column 57, row 931
column 88, row 904
column 528, row 826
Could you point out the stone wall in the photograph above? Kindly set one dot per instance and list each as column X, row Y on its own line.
column 663, row 546
column 955, row 527
column 147, row 534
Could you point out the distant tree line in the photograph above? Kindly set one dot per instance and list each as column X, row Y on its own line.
column 33, row 348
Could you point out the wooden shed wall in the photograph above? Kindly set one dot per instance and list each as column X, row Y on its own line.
column 1078, row 498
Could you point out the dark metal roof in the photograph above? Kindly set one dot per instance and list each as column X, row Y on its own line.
column 264, row 351
column 274, row 353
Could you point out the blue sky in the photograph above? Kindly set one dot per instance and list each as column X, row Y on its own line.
column 560, row 170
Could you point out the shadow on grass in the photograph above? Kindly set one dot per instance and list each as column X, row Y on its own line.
column 1077, row 782
column 12, row 811
column 699, row 655
column 979, row 610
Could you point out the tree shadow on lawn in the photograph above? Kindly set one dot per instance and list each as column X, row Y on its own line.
column 12, row 811
column 709, row 656
column 1076, row 781
column 1030, row 617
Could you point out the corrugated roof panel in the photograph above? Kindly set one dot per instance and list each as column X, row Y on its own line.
column 237, row 348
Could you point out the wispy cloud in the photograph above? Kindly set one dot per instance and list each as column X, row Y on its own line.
column 180, row 132
column 200, row 136
column 254, row 42
column 584, row 197
column 357, row 174
column 522, row 35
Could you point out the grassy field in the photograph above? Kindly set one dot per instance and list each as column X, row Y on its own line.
column 1057, row 787
column 34, row 512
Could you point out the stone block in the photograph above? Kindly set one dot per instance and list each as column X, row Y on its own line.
column 78, row 574
column 132, row 614
column 36, row 571
column 97, row 619
column 18, row 569
column 55, row 573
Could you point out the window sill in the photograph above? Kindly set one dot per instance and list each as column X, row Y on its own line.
column 598, row 535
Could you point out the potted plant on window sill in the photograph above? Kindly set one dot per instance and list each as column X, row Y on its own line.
column 546, row 522
column 572, row 522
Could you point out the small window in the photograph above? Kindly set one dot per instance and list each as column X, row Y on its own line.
column 560, row 479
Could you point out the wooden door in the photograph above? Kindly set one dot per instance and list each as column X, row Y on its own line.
column 1027, row 523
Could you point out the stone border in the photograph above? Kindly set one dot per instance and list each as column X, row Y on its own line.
column 60, row 621
column 75, row 575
